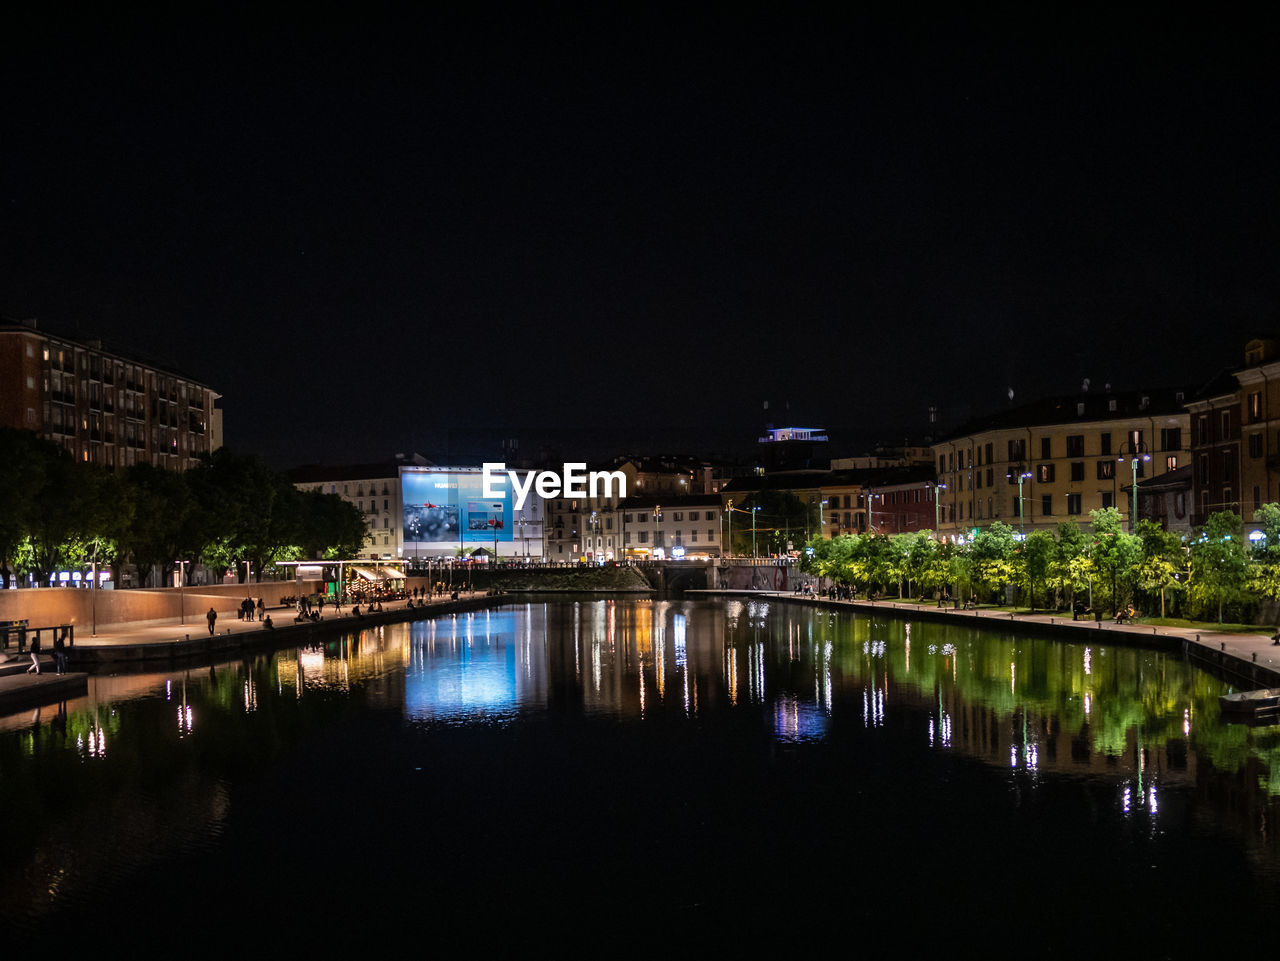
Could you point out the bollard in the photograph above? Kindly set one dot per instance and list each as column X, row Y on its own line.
column 1255, row 657
column 1224, row 645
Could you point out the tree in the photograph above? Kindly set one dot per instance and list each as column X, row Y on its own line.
column 23, row 460
column 992, row 553
column 1162, row 566
column 1219, row 561
column 1114, row 553
column 1037, row 555
column 161, row 503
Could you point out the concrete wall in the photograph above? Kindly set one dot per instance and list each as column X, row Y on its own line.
column 67, row 605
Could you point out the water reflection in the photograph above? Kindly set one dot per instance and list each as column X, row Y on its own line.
column 1138, row 726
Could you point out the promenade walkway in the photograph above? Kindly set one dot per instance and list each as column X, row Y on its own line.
column 172, row 638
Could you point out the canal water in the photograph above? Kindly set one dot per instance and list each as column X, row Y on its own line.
column 604, row 778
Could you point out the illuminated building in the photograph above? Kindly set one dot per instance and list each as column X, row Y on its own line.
column 1036, row 465
column 101, row 406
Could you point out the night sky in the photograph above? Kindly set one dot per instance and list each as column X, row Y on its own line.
column 376, row 233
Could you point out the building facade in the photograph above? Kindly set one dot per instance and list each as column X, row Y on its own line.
column 102, row 407
column 1034, row 466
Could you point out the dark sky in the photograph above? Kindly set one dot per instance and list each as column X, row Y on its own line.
column 369, row 231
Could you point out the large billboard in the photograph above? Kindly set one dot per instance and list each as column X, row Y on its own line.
column 449, row 506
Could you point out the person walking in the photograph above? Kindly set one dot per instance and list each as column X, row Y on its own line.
column 211, row 617
column 35, row 654
column 262, row 608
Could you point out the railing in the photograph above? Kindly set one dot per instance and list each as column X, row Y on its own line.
column 21, row 628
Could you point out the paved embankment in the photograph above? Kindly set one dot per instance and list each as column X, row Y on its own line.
column 176, row 640
column 1249, row 660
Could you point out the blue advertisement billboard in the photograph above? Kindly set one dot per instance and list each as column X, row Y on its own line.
column 438, row 504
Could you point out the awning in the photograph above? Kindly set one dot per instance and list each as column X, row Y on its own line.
column 378, row 573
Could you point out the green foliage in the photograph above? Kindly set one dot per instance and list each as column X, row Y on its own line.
column 1219, row 563
column 61, row 513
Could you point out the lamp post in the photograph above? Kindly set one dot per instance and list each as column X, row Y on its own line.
column 1022, row 476
column 1137, row 455
column 729, row 515
column 822, row 522
column 657, row 516
column 754, row 508
column 182, row 591
column 937, row 511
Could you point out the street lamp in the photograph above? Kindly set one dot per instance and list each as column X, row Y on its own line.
column 754, row 555
column 937, row 511
column 182, row 591
column 1138, row 455
column 1022, row 476
column 729, row 515
column 657, row 516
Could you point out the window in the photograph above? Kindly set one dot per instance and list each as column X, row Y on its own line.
column 626, row 518
column 1202, row 469
column 1257, row 498
column 693, row 536
column 1228, row 466
column 942, row 463
column 711, row 515
column 1106, row 469
column 1202, row 429
column 990, row 453
column 1045, row 448
column 1044, row 473
column 1171, row 438
column 1046, row 505
column 1075, row 445
column 1171, row 462
column 1017, row 507
column 977, row 480
column 711, row 535
column 643, row 537
column 1073, row 504
column 679, row 516
column 1104, row 442
column 990, row 476
column 1226, row 424
column 1108, row 499
column 1018, row 449
column 1255, row 407
column 693, row 515
column 1255, row 445
column 1077, row 470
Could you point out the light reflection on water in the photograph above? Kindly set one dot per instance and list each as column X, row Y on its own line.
column 825, row 688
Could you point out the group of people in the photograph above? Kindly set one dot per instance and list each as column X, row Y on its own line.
column 59, row 652
column 248, row 608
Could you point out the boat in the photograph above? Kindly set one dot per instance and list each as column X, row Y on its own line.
column 1262, row 704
